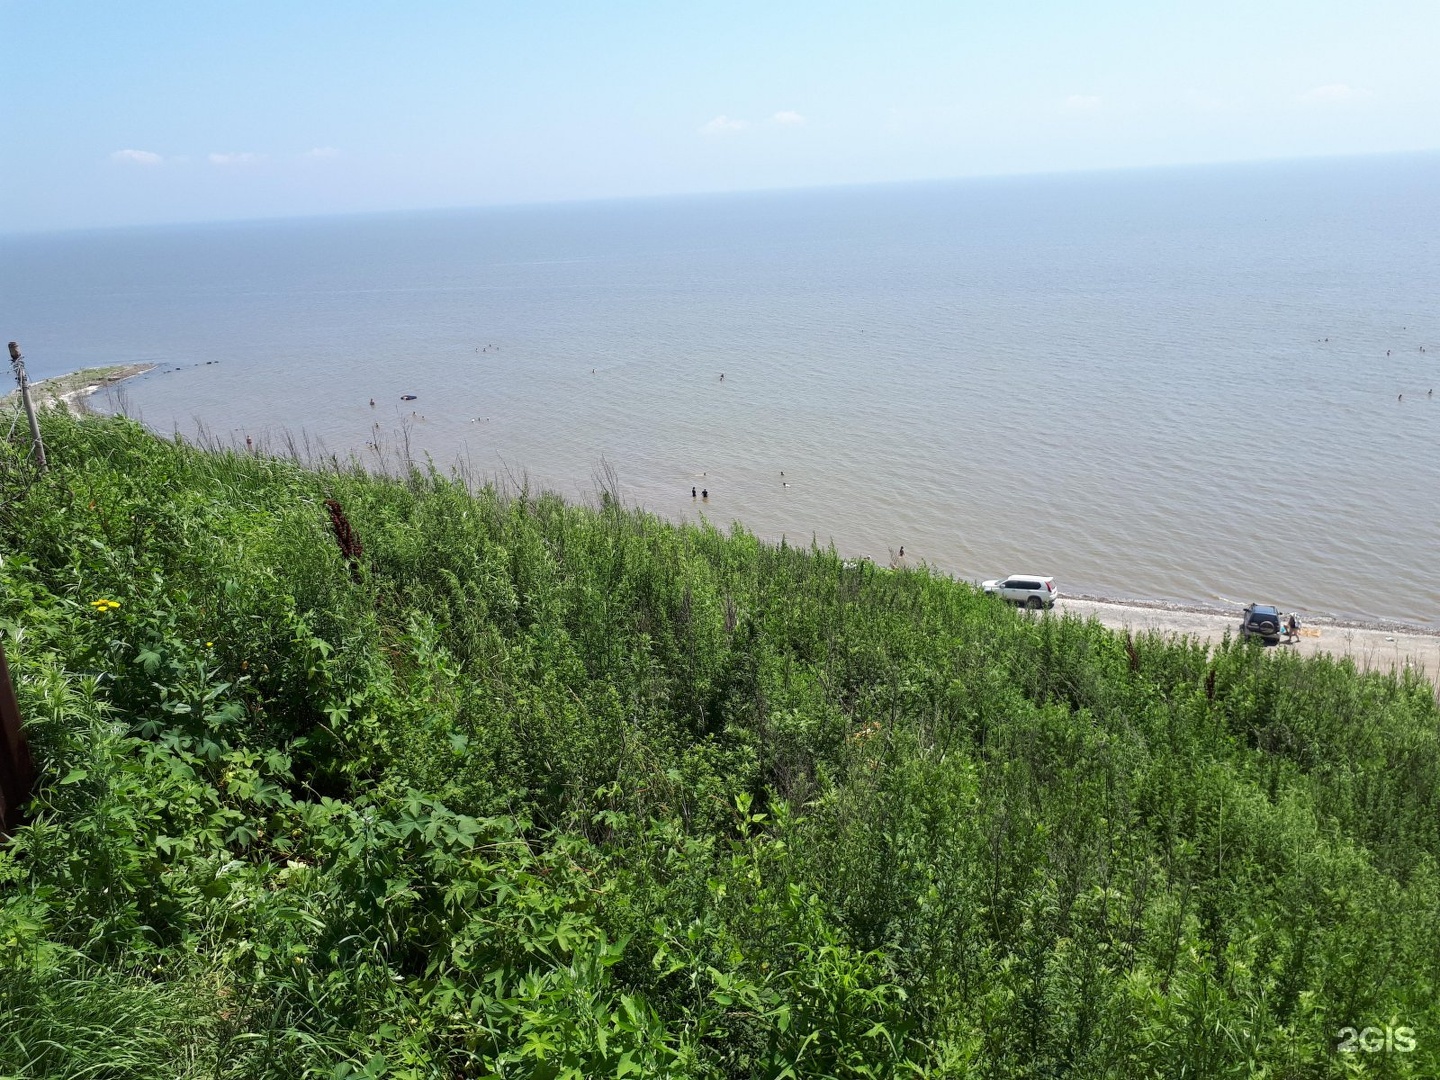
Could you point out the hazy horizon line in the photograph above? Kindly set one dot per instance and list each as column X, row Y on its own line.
column 705, row 193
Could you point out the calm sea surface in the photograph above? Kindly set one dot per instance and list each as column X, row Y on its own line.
column 1180, row 384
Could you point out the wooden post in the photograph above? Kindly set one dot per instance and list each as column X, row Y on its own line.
column 17, row 768
column 17, row 361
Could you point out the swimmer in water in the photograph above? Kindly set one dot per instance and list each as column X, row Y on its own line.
column 372, row 402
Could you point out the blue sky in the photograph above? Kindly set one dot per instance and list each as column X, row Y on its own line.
column 158, row 111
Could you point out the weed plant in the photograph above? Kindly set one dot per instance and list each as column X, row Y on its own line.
column 535, row 789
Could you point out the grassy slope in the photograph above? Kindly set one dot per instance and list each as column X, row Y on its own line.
column 545, row 790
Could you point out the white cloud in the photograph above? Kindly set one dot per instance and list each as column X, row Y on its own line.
column 233, row 159
column 723, row 125
column 136, row 157
column 1082, row 103
column 1333, row 92
column 322, row 152
column 788, row 117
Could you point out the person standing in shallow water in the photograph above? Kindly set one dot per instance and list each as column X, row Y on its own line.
column 692, row 493
column 705, row 494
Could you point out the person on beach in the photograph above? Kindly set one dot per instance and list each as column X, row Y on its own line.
column 1292, row 627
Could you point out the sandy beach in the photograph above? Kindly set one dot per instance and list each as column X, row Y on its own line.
column 73, row 389
column 1373, row 648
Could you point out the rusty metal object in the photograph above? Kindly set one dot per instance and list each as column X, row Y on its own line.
column 17, row 768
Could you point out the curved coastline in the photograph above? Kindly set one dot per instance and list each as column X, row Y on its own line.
column 1371, row 643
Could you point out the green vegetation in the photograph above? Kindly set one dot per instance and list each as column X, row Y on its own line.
column 532, row 789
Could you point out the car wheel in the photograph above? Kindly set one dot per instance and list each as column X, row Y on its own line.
column 1033, row 603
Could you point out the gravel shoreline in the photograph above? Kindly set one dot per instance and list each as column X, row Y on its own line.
column 1371, row 647
column 1377, row 625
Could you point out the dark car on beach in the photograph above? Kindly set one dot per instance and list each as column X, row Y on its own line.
column 1262, row 621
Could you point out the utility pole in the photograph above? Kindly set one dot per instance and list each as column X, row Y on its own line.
column 17, row 361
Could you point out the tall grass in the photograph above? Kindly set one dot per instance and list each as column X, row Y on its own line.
column 537, row 789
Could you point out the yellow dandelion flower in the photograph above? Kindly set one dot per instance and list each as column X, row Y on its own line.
column 209, row 644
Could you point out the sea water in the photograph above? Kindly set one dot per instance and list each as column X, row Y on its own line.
column 1200, row 384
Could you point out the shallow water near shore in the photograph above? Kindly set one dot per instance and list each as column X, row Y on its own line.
column 1163, row 383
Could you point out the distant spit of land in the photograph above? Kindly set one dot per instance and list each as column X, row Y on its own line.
column 73, row 389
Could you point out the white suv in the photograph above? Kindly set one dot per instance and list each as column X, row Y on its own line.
column 1031, row 590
